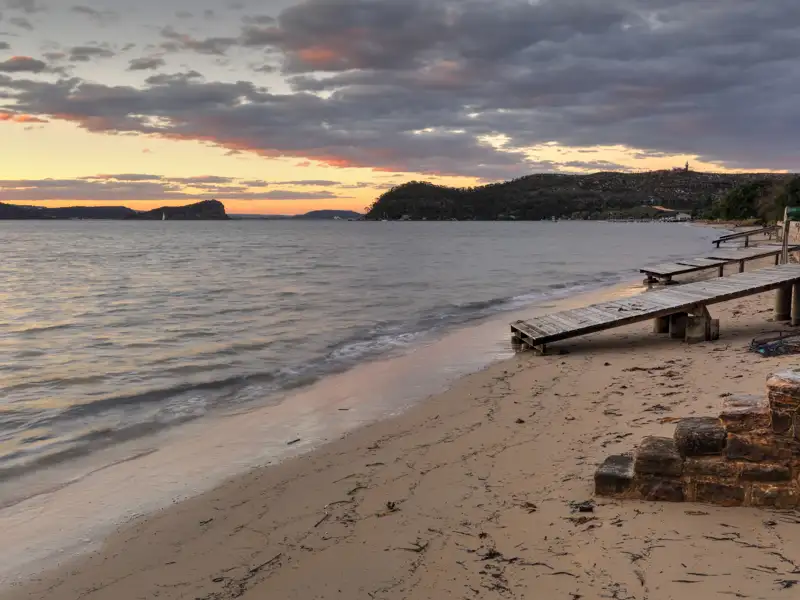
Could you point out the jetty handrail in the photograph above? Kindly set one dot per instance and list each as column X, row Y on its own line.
column 745, row 234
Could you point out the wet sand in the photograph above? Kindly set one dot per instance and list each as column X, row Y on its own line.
column 470, row 495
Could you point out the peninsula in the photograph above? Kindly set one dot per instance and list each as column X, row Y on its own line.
column 604, row 195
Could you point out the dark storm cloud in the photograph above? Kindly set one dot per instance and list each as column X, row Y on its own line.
column 146, row 63
column 87, row 53
column 183, row 42
column 100, row 16
column 27, row 6
column 429, row 85
column 21, row 22
column 169, row 78
column 5, row 46
column 22, row 64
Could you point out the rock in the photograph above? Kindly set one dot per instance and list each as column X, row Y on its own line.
column 754, row 447
column 658, row 456
column 745, row 412
column 710, row 467
column 719, row 493
column 783, row 392
column 782, row 421
column 765, row 471
column 774, row 495
column 700, row 436
column 661, row 490
column 614, row 476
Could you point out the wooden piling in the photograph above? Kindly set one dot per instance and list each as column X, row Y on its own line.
column 783, row 303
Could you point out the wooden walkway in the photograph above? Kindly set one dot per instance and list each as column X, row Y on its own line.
column 717, row 260
column 539, row 331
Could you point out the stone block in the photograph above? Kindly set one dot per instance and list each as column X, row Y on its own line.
column 700, row 436
column 657, row 489
column 782, row 421
column 783, row 389
column 710, row 467
column 614, row 476
column 774, row 495
column 765, row 471
column 698, row 329
column 677, row 326
column 658, row 456
column 745, row 412
column 754, row 447
column 723, row 494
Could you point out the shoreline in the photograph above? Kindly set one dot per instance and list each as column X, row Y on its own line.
column 236, row 443
column 467, row 494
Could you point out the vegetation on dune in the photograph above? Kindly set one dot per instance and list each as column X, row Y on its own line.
column 596, row 196
column 763, row 200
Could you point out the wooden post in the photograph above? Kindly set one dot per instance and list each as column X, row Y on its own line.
column 661, row 325
column 785, row 244
column 783, row 303
column 747, row 241
column 741, row 266
column 796, row 305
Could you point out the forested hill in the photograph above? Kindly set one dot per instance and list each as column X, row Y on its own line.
column 543, row 196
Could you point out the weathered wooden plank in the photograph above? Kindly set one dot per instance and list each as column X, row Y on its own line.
column 702, row 262
column 581, row 317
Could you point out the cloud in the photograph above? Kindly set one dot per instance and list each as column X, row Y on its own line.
column 27, row 6
column 20, row 118
column 22, row 64
column 134, row 187
column 173, row 78
column 309, row 182
column 184, row 14
column 87, row 53
column 183, row 42
column 468, row 87
column 102, row 17
column 594, row 165
column 127, row 177
column 202, row 179
column 5, row 46
column 292, row 195
column 146, row 63
column 21, row 22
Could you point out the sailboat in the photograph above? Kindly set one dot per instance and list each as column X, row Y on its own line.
column 163, row 216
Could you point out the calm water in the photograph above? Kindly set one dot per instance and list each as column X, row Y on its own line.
column 112, row 330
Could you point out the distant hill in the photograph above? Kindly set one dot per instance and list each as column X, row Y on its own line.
column 16, row 211
column 544, row 196
column 205, row 210
column 314, row 214
column 208, row 209
column 330, row 214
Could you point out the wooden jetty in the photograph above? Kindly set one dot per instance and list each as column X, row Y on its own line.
column 742, row 255
column 664, row 272
column 681, row 311
column 770, row 230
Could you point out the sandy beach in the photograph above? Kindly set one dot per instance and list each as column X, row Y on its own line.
column 471, row 495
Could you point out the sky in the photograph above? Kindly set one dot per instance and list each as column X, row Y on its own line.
column 280, row 106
